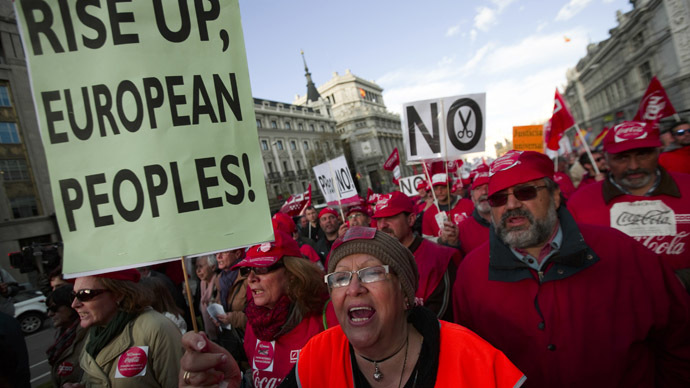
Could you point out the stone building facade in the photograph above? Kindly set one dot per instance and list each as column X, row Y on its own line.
column 368, row 131
column 26, row 204
column 653, row 39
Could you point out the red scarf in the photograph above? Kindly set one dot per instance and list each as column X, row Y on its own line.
column 266, row 322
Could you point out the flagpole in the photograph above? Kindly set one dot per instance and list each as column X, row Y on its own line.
column 589, row 152
column 190, row 301
column 426, row 171
column 337, row 191
column 445, row 158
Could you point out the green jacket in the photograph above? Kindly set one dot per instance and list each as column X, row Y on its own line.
column 146, row 354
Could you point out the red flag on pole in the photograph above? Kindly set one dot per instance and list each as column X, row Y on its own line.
column 295, row 203
column 655, row 104
column 393, row 164
column 561, row 121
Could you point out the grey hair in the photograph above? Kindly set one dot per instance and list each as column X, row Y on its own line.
column 210, row 260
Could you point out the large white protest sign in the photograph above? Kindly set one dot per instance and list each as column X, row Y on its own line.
column 444, row 128
column 335, row 181
column 408, row 184
column 152, row 148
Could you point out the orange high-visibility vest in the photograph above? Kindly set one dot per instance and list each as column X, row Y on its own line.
column 465, row 360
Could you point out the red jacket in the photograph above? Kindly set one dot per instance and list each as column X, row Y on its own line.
column 462, row 209
column 436, row 275
column 593, row 204
column 473, row 232
column 676, row 160
column 607, row 312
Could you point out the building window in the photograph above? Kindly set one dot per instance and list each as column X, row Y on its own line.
column 274, row 124
column 322, row 128
column 270, row 167
column 645, row 74
column 276, row 190
column 300, row 126
column 24, row 207
column 287, row 125
column 4, row 96
column 14, row 170
column 299, row 166
column 304, row 186
column 293, row 145
column 258, row 123
column 279, row 144
column 285, row 166
column 264, row 145
column 9, row 133
column 305, row 145
column 316, row 145
column 292, row 188
column 333, row 98
column 311, row 127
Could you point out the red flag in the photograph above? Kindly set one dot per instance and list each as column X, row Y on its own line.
column 393, row 164
column 372, row 197
column 655, row 104
column 561, row 121
column 296, row 203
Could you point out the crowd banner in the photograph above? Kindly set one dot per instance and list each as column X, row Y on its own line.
column 408, row 184
column 147, row 120
column 335, row 182
column 444, row 128
column 528, row 138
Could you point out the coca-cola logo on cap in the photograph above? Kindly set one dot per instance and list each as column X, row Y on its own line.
column 631, row 130
column 383, row 201
column 505, row 162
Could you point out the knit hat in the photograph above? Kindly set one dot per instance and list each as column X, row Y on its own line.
column 387, row 249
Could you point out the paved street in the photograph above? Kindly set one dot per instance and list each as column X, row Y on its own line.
column 37, row 344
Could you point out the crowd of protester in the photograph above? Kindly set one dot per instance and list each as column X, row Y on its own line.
column 531, row 272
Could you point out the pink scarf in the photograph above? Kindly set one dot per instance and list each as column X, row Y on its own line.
column 206, row 299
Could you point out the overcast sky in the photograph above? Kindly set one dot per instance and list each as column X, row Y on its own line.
column 517, row 52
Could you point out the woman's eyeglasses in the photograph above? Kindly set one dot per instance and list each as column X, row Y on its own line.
column 86, row 295
column 365, row 275
column 244, row 271
column 523, row 193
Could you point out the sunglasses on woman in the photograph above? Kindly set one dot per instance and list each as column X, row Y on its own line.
column 522, row 193
column 244, row 271
column 86, row 295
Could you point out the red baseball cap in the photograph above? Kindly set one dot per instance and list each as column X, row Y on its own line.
column 328, row 210
column 629, row 135
column 421, row 184
column 517, row 167
column 393, row 204
column 480, row 175
column 357, row 209
column 284, row 222
column 267, row 254
column 441, row 179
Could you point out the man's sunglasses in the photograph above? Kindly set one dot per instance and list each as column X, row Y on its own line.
column 244, row 271
column 523, row 193
column 682, row 132
column 86, row 295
